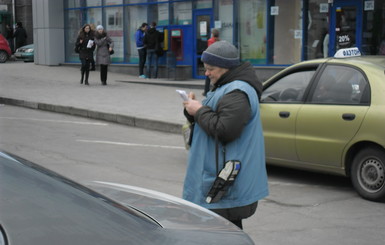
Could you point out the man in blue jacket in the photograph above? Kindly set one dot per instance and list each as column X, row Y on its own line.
column 227, row 126
column 142, row 51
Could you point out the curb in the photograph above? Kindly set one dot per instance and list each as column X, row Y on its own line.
column 104, row 116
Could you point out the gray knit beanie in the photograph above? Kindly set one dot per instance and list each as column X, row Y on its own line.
column 221, row 54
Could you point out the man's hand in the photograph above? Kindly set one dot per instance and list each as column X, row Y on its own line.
column 192, row 105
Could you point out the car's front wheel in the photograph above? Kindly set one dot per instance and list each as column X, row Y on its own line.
column 3, row 56
column 368, row 174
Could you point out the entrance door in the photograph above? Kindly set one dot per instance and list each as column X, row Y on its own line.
column 345, row 25
column 203, row 20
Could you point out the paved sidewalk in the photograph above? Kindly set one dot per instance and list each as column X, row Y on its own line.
column 146, row 103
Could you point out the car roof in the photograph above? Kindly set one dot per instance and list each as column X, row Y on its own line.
column 374, row 62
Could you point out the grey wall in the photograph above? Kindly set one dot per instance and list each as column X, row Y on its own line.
column 48, row 31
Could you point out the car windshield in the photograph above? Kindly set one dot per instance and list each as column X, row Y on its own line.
column 290, row 88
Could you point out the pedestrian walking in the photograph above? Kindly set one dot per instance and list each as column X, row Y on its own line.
column 9, row 36
column 20, row 35
column 142, row 51
column 104, row 46
column 152, row 40
column 227, row 122
column 214, row 37
column 86, row 46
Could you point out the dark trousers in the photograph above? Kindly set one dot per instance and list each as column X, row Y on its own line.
column 152, row 58
column 236, row 214
column 103, row 74
column 10, row 42
column 92, row 63
column 85, row 70
column 85, row 64
column 142, row 60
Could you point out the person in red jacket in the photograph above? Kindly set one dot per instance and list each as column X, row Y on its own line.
column 213, row 39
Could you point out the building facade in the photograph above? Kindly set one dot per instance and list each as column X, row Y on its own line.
column 271, row 34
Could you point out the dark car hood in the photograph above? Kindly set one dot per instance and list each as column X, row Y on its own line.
column 39, row 206
column 169, row 211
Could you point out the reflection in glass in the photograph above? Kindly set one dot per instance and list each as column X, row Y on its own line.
column 182, row 12
column 134, row 17
column 114, row 28
column 73, row 19
column 252, row 37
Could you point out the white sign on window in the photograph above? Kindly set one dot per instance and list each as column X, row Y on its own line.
column 218, row 24
column 323, row 8
column 297, row 34
column 369, row 5
column 274, row 10
column 203, row 28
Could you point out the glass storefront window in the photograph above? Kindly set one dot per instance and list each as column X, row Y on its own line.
column 73, row 25
column 114, row 28
column 373, row 29
column 225, row 17
column 287, row 31
column 252, row 30
column 158, row 13
column 134, row 17
column 163, row 14
column 135, row 1
column 113, row 2
column 73, row 4
column 317, row 31
column 203, row 4
column 94, row 3
column 94, row 17
column 182, row 12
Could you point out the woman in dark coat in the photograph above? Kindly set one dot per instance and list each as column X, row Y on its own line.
column 86, row 46
column 104, row 46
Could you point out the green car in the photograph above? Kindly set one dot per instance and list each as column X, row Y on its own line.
column 328, row 115
column 25, row 53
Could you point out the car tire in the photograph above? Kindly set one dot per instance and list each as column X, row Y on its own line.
column 368, row 174
column 3, row 56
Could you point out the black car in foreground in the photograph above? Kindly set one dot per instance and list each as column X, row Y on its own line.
column 38, row 206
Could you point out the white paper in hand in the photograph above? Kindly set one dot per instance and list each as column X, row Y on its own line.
column 182, row 94
column 90, row 43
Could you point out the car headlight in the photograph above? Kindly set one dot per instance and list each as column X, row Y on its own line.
column 30, row 50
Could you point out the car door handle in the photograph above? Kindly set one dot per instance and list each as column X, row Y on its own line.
column 348, row 116
column 284, row 114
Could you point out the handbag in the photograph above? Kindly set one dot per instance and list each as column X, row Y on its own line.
column 187, row 130
column 77, row 48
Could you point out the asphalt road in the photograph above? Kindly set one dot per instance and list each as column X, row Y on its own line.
column 302, row 208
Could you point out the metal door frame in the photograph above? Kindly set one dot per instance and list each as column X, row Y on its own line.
column 195, row 56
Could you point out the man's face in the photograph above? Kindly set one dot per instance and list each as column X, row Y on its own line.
column 214, row 72
column 144, row 28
